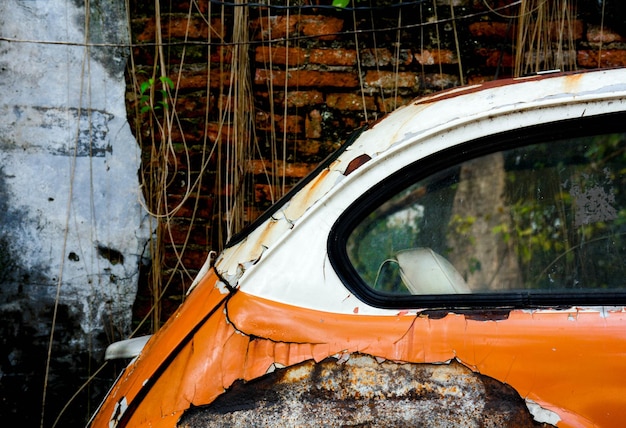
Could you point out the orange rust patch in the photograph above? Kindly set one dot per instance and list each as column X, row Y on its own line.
column 362, row 391
column 571, row 82
column 455, row 92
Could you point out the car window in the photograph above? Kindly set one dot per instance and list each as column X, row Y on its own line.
column 547, row 216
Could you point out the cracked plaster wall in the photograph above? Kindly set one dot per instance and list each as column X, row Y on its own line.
column 71, row 219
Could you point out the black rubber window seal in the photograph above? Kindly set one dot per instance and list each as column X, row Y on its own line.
column 373, row 197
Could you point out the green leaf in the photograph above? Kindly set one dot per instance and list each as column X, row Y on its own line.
column 166, row 80
column 144, row 87
column 341, row 3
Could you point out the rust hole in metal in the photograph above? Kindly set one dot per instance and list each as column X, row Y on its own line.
column 360, row 391
column 356, row 163
column 474, row 315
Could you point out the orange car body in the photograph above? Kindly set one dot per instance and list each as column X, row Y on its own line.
column 272, row 300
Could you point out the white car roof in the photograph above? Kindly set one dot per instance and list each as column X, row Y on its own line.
column 424, row 118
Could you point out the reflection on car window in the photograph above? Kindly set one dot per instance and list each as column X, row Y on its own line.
column 546, row 217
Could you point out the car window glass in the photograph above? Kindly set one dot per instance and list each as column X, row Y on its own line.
column 550, row 216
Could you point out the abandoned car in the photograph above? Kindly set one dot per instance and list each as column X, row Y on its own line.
column 461, row 262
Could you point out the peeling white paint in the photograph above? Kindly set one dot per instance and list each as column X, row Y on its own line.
column 406, row 135
column 541, row 414
column 118, row 412
column 274, row 366
column 222, row 287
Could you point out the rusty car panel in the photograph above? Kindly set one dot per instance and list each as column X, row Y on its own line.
column 249, row 337
column 360, row 390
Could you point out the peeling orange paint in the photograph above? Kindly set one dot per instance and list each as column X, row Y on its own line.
column 541, row 354
column 562, row 360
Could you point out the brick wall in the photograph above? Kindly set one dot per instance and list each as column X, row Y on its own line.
column 315, row 74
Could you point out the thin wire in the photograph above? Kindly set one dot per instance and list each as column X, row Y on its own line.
column 396, row 67
column 358, row 65
column 259, row 42
column 509, row 26
column 273, row 187
column 502, row 15
column 170, row 115
column 601, row 35
column 438, row 46
column 86, row 384
column 376, row 61
column 321, row 6
column 66, row 232
column 285, row 118
column 458, row 47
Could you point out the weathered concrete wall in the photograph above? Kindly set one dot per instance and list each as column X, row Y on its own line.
column 70, row 213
